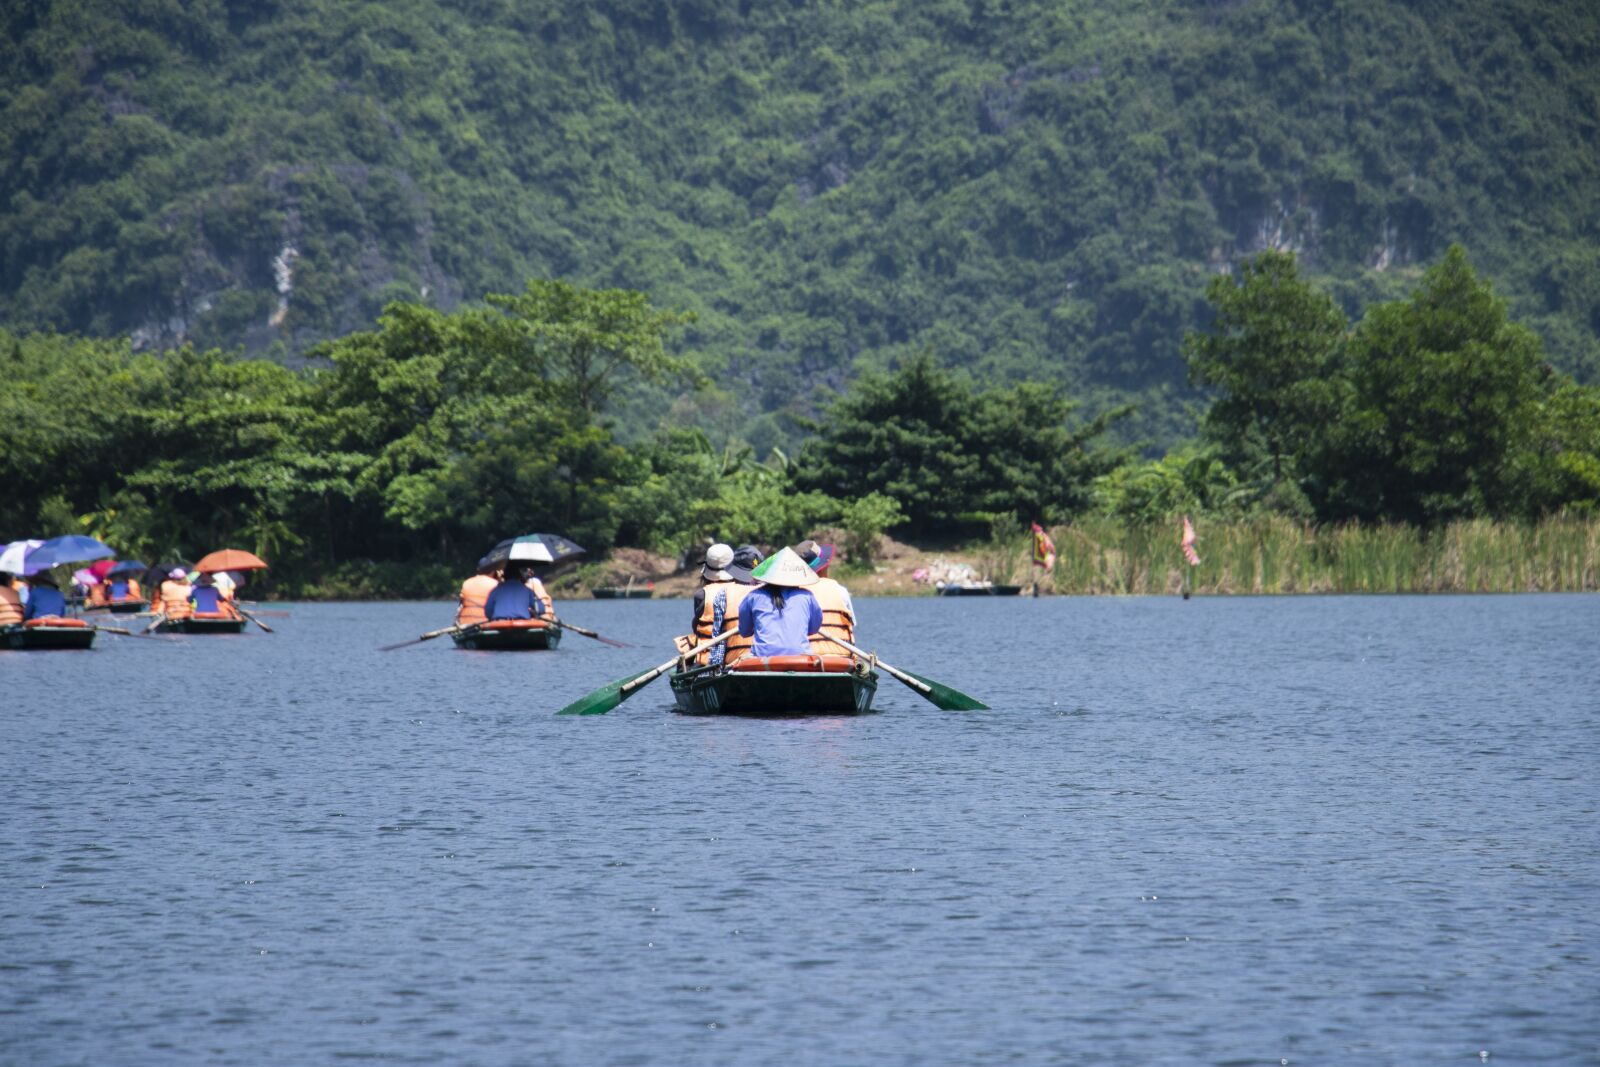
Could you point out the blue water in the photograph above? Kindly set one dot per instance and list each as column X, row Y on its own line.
column 1229, row 831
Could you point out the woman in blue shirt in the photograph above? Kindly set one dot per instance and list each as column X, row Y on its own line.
column 46, row 598
column 512, row 599
column 781, row 614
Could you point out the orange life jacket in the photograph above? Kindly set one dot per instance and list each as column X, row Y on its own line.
column 837, row 620
column 134, row 592
column 173, row 599
column 474, row 595
column 733, row 593
column 10, row 606
column 99, row 595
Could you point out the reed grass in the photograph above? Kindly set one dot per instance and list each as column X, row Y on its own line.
column 1278, row 555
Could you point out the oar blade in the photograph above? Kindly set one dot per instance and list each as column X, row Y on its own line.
column 602, row 700
column 944, row 697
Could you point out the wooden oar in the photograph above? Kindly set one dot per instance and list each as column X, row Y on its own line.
column 156, row 619
column 587, row 633
column 608, row 697
column 252, row 618
column 934, row 692
column 129, row 633
column 429, row 636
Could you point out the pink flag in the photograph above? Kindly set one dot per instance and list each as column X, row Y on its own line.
column 1186, row 542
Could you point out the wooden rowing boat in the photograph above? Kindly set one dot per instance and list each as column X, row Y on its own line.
column 50, row 632
column 203, row 622
column 509, row 635
column 128, row 606
column 617, row 592
column 778, row 685
column 979, row 589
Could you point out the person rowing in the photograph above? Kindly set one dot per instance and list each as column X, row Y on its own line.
column 838, row 610
column 12, row 611
column 724, row 581
column 475, row 594
column 780, row 613
column 512, row 599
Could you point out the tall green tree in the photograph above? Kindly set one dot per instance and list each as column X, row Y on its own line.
column 1271, row 352
column 1445, row 393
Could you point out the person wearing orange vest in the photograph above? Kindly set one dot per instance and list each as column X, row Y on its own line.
column 172, row 600
column 536, row 587
column 10, row 602
column 838, row 610
column 98, row 595
column 724, row 581
column 475, row 594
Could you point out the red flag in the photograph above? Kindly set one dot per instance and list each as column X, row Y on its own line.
column 1186, row 542
column 1044, row 549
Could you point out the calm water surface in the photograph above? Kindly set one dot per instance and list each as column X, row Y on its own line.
column 1330, row 830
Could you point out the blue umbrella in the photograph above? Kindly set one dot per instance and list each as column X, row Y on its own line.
column 68, row 548
column 127, row 566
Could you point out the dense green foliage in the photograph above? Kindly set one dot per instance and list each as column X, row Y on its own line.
column 1432, row 408
column 1024, row 188
column 422, row 442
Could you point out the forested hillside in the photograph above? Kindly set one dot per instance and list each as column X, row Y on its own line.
column 1028, row 189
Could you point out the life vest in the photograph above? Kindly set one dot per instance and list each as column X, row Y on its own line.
column 812, row 664
column 10, row 606
column 474, row 594
column 837, row 619
column 98, row 595
column 537, row 588
column 134, row 592
column 735, row 647
column 173, row 599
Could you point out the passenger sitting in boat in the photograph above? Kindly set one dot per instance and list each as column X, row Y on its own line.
column 206, row 597
column 724, row 581
column 838, row 610
column 97, row 595
column 781, row 613
column 11, row 610
column 46, row 598
column 124, row 589
column 512, row 599
column 475, row 594
column 172, row 599
column 536, row 587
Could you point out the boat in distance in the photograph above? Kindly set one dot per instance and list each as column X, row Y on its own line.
column 202, row 622
column 509, row 635
column 49, row 632
column 778, row 685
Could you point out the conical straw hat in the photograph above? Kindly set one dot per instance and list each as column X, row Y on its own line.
column 785, row 568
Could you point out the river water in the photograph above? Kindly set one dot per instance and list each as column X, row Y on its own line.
column 1228, row 831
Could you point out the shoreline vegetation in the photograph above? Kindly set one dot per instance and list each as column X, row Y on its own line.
column 1270, row 556
column 1425, row 447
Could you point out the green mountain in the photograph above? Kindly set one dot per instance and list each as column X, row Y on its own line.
column 1028, row 189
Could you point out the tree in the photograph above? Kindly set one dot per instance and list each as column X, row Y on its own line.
column 588, row 341
column 1444, row 396
column 1272, row 351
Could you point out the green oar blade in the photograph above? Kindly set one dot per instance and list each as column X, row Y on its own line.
column 600, row 701
column 945, row 697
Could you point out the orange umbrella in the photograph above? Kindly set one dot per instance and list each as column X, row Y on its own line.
column 231, row 559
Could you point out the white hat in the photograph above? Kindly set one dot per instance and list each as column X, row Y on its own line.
column 785, row 568
column 718, row 556
column 177, row 572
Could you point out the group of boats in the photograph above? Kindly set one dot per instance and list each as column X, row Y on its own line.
column 772, row 685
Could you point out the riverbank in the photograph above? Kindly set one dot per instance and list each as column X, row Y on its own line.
column 1105, row 557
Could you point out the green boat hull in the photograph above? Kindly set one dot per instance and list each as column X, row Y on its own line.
column 528, row 640
column 127, row 607
column 710, row 691
column 622, row 594
column 42, row 638
column 201, row 626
